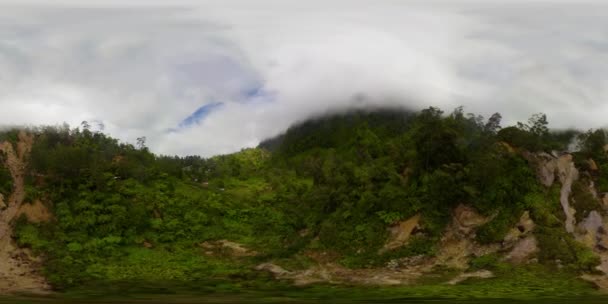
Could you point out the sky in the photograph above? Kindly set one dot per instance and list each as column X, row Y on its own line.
column 213, row 77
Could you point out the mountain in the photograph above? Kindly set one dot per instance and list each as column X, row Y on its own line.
column 383, row 197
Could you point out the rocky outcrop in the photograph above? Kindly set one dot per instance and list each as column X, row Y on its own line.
column 458, row 242
column 545, row 164
column 524, row 227
column 600, row 279
column 590, row 230
column 567, row 175
column 521, row 244
column 523, row 250
column 547, row 167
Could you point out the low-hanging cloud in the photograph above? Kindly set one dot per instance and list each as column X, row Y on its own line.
column 216, row 76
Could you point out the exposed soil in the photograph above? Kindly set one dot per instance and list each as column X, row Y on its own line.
column 455, row 250
column 400, row 233
column 19, row 271
column 36, row 212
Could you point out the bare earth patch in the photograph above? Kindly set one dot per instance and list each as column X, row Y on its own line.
column 19, row 271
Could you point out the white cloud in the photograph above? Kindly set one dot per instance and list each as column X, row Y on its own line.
column 144, row 67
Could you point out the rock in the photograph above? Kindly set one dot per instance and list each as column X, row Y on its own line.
column 481, row 274
column 588, row 230
column 2, row 203
column 406, row 262
column 526, row 224
column 392, row 264
column 592, row 190
column 545, row 165
column 523, row 228
column 467, row 219
column 234, row 249
column 523, row 250
column 600, row 281
column 274, row 269
column 457, row 244
column 567, row 175
column 592, row 165
column 400, row 233
column 512, row 236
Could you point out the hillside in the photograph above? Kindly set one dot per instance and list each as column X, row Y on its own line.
column 366, row 198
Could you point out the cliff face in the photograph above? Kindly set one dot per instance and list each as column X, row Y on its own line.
column 592, row 230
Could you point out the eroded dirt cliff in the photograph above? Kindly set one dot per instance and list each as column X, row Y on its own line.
column 19, row 270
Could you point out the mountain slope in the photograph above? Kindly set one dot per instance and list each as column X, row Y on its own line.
column 386, row 197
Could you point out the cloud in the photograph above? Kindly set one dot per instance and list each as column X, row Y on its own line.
column 145, row 68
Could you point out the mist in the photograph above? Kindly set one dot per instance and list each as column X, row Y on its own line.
column 213, row 77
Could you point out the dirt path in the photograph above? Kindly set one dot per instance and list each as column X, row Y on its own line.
column 19, row 272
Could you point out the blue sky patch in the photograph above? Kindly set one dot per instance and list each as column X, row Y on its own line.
column 200, row 114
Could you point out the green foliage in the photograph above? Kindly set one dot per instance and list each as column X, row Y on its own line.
column 11, row 135
column 583, row 201
column 389, row 217
column 28, row 235
column 558, row 247
column 333, row 184
column 488, row 262
column 602, row 180
column 6, row 179
column 495, row 230
column 535, row 135
column 592, row 144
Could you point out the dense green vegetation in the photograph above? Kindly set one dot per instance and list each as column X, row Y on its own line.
column 331, row 184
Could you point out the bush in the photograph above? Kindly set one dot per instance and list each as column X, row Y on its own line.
column 495, row 230
column 557, row 245
column 6, row 180
column 488, row 261
column 583, row 201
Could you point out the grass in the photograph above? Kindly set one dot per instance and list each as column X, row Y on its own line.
column 519, row 283
column 162, row 265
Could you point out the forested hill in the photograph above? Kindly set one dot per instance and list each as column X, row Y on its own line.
column 380, row 197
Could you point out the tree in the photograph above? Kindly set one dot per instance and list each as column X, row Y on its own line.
column 538, row 124
column 141, row 142
column 85, row 125
column 493, row 124
column 435, row 140
column 592, row 143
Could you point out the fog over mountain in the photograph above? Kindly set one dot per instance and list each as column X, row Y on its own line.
column 209, row 77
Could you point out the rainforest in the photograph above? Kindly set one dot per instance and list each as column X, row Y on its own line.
column 381, row 204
